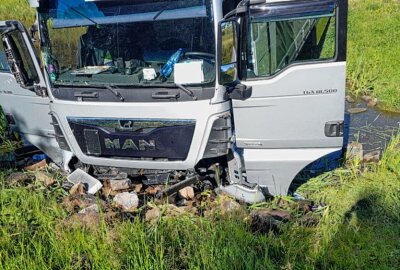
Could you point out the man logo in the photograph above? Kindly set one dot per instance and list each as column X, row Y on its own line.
column 126, row 124
column 129, row 144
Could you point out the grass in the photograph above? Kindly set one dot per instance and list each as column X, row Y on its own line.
column 358, row 229
column 374, row 50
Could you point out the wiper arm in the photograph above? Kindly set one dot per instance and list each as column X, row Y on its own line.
column 160, row 12
column 108, row 87
column 187, row 91
column 116, row 93
column 80, row 13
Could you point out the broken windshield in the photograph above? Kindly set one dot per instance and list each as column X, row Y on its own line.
column 136, row 43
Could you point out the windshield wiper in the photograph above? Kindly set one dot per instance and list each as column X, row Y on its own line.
column 107, row 87
column 160, row 12
column 80, row 13
column 187, row 91
column 116, row 93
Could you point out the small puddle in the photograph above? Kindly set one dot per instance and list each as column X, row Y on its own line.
column 372, row 128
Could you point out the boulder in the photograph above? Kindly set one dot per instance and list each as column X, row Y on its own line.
column 45, row 178
column 266, row 220
column 355, row 151
column 94, row 208
column 126, row 201
column 152, row 214
column 117, row 185
column 37, row 166
column 78, row 189
column 18, row 178
column 356, row 110
column 349, row 99
column 186, row 193
column 372, row 157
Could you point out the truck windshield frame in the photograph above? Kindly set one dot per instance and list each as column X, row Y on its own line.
column 128, row 43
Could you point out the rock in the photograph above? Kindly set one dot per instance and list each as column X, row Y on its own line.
column 94, row 208
column 152, row 214
column 266, row 220
column 37, row 166
column 173, row 210
column 355, row 151
column 372, row 103
column 349, row 99
column 304, row 206
column 366, row 99
column 45, row 178
column 186, row 193
column 282, row 203
column 18, row 178
column 117, row 185
column 152, row 191
column 227, row 205
column 75, row 203
column 107, row 190
column 78, row 189
column 373, row 157
column 138, row 188
column 128, row 202
column 309, row 220
column 356, row 110
column 90, row 221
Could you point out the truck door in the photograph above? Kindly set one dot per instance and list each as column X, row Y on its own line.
column 22, row 91
column 293, row 56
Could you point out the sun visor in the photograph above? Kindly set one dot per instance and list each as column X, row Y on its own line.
column 75, row 17
column 292, row 10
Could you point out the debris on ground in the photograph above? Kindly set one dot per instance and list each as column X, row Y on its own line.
column 267, row 220
column 36, row 166
column 355, row 151
column 45, row 178
column 117, row 185
column 372, row 157
column 126, row 201
column 186, row 193
column 370, row 101
column 92, row 185
column 349, row 99
column 356, row 110
column 18, row 179
column 78, row 189
column 94, row 208
column 152, row 214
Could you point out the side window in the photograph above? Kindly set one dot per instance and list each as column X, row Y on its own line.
column 273, row 45
column 4, row 67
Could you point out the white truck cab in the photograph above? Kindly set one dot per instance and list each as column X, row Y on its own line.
column 249, row 95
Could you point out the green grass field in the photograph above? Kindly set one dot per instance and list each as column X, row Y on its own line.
column 359, row 228
column 374, row 50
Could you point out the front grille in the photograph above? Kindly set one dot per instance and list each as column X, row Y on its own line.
column 133, row 138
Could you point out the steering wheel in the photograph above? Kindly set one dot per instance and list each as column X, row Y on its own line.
column 208, row 56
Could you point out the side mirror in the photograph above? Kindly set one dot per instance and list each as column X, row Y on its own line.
column 228, row 62
column 19, row 58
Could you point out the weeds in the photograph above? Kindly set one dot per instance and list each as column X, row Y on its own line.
column 355, row 227
column 374, row 51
